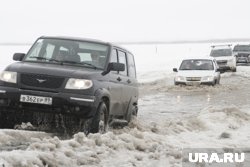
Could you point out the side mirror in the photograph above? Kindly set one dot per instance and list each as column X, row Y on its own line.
column 18, row 56
column 221, row 70
column 114, row 67
column 175, row 70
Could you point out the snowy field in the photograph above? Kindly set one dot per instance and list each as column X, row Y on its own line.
column 170, row 118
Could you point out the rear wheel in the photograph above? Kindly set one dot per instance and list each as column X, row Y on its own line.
column 100, row 120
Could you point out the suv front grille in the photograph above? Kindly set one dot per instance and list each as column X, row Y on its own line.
column 41, row 81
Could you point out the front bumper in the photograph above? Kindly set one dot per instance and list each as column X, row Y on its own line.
column 194, row 82
column 65, row 103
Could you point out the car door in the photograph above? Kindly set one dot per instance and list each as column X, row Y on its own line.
column 115, row 87
column 128, row 83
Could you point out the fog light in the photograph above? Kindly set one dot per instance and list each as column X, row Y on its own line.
column 3, row 102
column 77, row 109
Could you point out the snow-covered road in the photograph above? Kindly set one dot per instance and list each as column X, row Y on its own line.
column 170, row 118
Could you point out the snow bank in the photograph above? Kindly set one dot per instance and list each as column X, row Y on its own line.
column 139, row 144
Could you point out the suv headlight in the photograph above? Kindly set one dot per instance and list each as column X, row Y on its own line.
column 208, row 78
column 78, row 84
column 8, row 76
column 230, row 61
column 179, row 78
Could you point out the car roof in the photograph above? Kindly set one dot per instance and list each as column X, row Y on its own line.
column 217, row 47
column 202, row 58
column 84, row 40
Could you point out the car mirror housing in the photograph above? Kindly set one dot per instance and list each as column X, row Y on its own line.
column 18, row 56
column 221, row 70
column 175, row 70
column 114, row 67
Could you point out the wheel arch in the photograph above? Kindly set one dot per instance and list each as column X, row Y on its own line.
column 103, row 95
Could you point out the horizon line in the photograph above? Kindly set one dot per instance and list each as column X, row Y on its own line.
column 151, row 42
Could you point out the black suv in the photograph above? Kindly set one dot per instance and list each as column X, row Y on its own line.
column 71, row 84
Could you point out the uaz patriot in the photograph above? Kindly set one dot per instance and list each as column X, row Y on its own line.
column 71, row 84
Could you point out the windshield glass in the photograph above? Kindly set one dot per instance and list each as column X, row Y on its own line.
column 197, row 65
column 221, row 52
column 69, row 52
column 244, row 48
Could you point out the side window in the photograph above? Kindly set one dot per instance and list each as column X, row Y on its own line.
column 114, row 58
column 122, row 59
column 131, row 65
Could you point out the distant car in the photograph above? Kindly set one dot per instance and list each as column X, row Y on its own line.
column 242, row 53
column 197, row 71
column 224, row 57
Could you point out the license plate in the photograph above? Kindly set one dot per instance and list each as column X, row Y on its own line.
column 193, row 83
column 36, row 99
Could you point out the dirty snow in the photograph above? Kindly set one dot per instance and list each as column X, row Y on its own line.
column 170, row 118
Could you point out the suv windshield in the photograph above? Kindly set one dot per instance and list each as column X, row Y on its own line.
column 68, row 52
column 221, row 52
column 244, row 48
column 197, row 65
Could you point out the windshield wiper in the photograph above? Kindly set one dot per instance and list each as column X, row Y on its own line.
column 81, row 63
column 44, row 58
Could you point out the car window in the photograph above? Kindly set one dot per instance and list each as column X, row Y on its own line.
column 114, row 56
column 244, row 48
column 122, row 59
column 197, row 65
column 131, row 65
column 69, row 51
column 221, row 52
column 114, row 59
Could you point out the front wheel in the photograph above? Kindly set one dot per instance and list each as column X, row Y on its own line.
column 100, row 120
column 133, row 113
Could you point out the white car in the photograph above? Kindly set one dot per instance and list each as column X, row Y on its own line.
column 198, row 71
column 224, row 57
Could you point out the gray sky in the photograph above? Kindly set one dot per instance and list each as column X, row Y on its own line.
column 127, row 20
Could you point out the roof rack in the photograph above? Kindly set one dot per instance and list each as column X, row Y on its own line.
column 229, row 45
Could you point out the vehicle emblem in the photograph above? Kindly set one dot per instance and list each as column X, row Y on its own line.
column 41, row 80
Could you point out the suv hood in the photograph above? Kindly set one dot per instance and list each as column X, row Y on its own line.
column 195, row 73
column 52, row 69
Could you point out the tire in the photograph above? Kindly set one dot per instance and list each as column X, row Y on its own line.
column 234, row 70
column 218, row 81
column 100, row 120
column 132, row 114
column 213, row 83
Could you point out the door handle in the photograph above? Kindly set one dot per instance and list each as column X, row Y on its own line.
column 128, row 81
column 119, row 79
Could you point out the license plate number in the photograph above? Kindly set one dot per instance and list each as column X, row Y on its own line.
column 36, row 99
